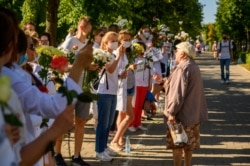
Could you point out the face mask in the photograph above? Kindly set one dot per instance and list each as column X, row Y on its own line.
column 126, row 44
column 22, row 60
column 113, row 45
column 146, row 34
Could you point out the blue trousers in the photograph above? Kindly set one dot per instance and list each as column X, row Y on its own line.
column 224, row 63
column 106, row 112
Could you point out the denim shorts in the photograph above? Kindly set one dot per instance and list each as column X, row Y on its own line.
column 131, row 91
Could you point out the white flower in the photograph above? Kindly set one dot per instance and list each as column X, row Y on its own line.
column 101, row 57
column 5, row 89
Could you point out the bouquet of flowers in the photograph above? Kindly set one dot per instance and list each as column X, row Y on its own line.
column 70, row 53
column 5, row 95
column 101, row 57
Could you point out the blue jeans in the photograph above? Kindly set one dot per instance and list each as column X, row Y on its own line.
column 106, row 105
column 224, row 63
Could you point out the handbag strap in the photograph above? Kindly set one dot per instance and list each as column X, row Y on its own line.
column 104, row 71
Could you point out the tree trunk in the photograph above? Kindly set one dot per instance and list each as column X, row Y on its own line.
column 51, row 19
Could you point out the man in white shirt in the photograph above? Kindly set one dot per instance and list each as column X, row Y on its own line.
column 225, row 49
column 78, row 41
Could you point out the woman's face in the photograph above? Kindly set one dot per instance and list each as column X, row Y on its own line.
column 98, row 37
column 179, row 55
column 31, row 52
column 112, row 43
column 126, row 41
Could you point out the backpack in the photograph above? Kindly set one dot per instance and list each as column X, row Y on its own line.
column 221, row 46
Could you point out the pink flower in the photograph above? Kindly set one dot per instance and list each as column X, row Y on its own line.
column 59, row 63
column 75, row 47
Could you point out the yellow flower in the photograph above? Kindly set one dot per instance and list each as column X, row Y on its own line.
column 138, row 47
column 5, row 89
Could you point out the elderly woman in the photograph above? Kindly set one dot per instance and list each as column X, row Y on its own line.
column 185, row 102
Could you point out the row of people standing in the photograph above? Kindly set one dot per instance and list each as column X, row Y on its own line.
column 113, row 82
column 27, row 99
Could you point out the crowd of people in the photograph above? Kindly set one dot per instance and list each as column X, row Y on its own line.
column 140, row 65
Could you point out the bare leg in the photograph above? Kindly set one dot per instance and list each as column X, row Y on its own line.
column 58, row 145
column 156, row 89
column 188, row 157
column 79, row 133
column 126, row 118
column 177, row 155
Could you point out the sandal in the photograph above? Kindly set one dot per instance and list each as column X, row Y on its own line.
column 116, row 147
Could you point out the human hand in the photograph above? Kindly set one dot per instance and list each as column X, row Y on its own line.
column 133, row 66
column 12, row 132
column 171, row 118
column 123, row 74
column 157, row 77
column 93, row 67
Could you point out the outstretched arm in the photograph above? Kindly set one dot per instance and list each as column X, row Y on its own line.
column 61, row 125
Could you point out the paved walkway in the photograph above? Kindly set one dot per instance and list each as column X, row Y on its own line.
column 225, row 138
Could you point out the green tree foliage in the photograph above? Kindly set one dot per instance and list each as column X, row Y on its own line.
column 233, row 18
column 106, row 12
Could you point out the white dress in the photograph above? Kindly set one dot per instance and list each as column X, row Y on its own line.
column 122, row 85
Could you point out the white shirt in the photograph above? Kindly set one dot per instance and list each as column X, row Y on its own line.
column 141, row 74
column 11, row 155
column 112, row 81
column 224, row 50
column 35, row 102
column 68, row 44
column 6, row 152
column 73, row 41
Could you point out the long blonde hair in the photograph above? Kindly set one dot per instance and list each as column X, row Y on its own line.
column 107, row 37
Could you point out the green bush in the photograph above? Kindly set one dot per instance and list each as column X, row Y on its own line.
column 248, row 58
column 241, row 55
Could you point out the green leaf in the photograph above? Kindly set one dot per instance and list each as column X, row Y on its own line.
column 87, row 97
column 12, row 120
column 44, row 123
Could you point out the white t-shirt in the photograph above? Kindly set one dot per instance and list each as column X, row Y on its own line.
column 7, row 155
column 68, row 44
column 225, row 49
column 142, row 73
column 73, row 41
column 109, row 82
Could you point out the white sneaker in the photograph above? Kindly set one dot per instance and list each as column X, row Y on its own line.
column 110, row 152
column 227, row 82
column 103, row 156
column 142, row 128
column 132, row 129
column 222, row 82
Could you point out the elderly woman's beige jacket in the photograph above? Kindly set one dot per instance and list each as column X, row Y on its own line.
column 185, row 97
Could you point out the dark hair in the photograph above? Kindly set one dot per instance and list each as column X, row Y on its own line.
column 8, row 30
column 97, row 31
column 114, row 28
column 48, row 36
column 22, row 43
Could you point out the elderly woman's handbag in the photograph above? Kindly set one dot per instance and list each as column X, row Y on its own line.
column 177, row 132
